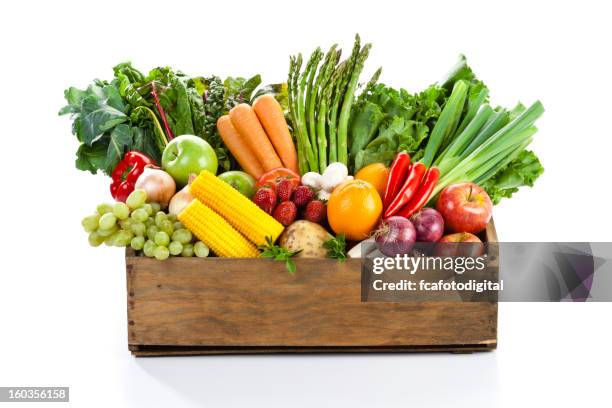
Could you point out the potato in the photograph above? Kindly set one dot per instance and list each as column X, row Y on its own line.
column 307, row 236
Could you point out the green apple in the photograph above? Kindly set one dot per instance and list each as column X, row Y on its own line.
column 188, row 154
column 241, row 181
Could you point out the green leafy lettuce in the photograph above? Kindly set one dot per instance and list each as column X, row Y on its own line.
column 385, row 121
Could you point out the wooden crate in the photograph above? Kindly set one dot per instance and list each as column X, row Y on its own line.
column 186, row 306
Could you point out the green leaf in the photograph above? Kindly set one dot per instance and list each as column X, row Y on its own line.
column 74, row 97
column 278, row 253
column 96, row 118
column 120, row 139
column 239, row 90
column 522, row 171
column 336, row 247
column 91, row 158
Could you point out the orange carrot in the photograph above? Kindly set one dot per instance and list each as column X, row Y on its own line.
column 272, row 119
column 246, row 123
column 238, row 146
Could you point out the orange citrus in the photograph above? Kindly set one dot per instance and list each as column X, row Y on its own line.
column 375, row 174
column 353, row 209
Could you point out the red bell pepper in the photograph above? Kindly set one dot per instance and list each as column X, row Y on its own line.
column 411, row 184
column 422, row 195
column 397, row 175
column 127, row 172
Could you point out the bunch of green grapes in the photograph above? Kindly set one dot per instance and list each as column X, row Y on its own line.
column 144, row 227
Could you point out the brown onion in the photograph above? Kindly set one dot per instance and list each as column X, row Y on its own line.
column 181, row 199
column 158, row 184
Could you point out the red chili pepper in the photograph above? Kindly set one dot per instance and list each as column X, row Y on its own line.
column 397, row 175
column 422, row 195
column 412, row 183
column 127, row 172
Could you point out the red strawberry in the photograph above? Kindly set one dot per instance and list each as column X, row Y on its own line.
column 302, row 195
column 316, row 211
column 284, row 188
column 285, row 212
column 265, row 198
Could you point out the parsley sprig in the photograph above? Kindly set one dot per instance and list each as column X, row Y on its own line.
column 336, row 247
column 278, row 253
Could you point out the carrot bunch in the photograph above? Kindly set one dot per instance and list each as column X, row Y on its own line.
column 258, row 136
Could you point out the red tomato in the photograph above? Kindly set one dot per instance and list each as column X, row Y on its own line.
column 272, row 177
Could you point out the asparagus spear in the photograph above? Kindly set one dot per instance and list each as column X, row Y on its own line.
column 336, row 83
column 311, row 94
column 331, row 59
column 347, row 103
column 291, row 92
column 301, row 115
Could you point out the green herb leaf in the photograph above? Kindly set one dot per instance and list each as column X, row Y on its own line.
column 336, row 247
column 278, row 253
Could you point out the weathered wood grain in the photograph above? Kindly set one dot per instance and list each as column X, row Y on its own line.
column 220, row 305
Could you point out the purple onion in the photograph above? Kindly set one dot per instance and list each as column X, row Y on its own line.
column 395, row 236
column 429, row 225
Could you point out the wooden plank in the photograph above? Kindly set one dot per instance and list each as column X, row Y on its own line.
column 217, row 305
column 157, row 351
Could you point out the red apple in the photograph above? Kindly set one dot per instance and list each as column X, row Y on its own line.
column 465, row 207
column 459, row 244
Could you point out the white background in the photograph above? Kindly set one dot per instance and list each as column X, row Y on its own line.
column 63, row 304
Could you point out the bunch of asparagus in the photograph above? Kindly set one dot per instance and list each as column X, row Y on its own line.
column 320, row 101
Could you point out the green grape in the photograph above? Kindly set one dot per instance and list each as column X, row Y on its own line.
column 95, row 239
column 161, row 238
column 121, row 211
column 125, row 224
column 107, row 232
column 167, row 226
column 137, row 243
column 150, row 221
column 111, row 239
column 104, row 208
column 138, row 228
column 182, row 235
column 172, row 217
column 159, row 217
column 161, row 253
column 136, row 199
column 148, row 208
column 151, row 231
column 178, row 225
column 123, row 238
column 156, row 207
column 200, row 249
column 90, row 223
column 148, row 248
column 187, row 250
column 139, row 215
column 175, row 248
column 107, row 221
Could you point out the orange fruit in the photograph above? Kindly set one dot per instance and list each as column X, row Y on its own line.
column 353, row 209
column 375, row 174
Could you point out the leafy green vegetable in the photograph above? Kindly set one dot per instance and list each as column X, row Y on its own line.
column 142, row 112
column 104, row 127
column 522, row 171
column 278, row 253
column 386, row 121
column 336, row 247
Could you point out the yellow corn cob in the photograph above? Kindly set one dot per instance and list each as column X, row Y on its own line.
column 215, row 232
column 238, row 210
